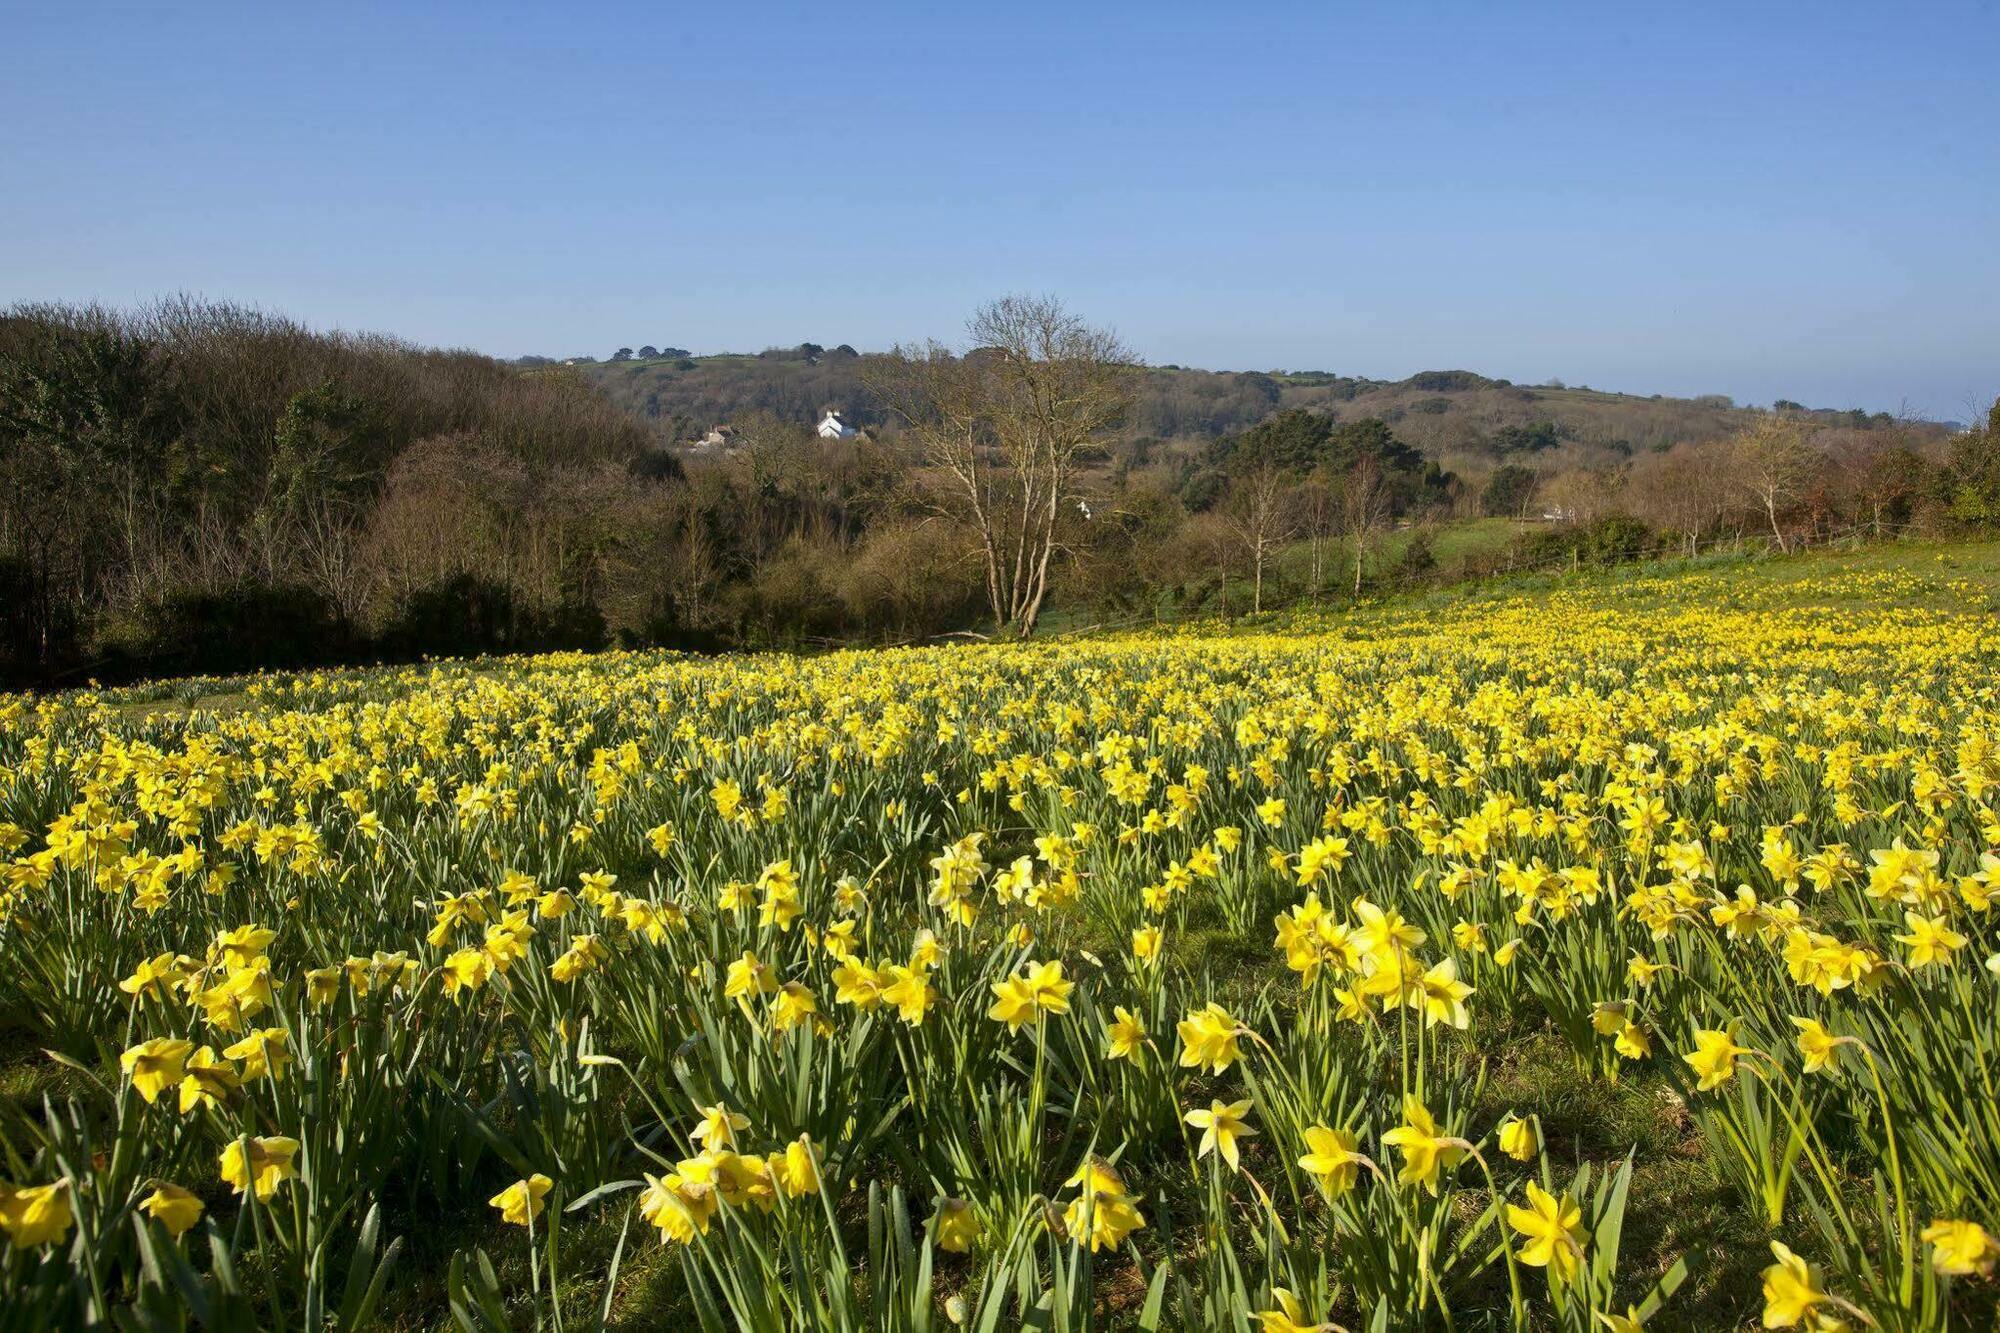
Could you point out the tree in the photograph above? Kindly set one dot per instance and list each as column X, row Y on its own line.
column 1583, row 495
column 1318, row 508
column 648, row 352
column 1261, row 516
column 1775, row 459
column 1509, row 491
column 1972, row 472
column 1686, row 489
column 1005, row 427
column 1294, row 440
column 1892, row 481
column 1365, row 504
column 622, row 354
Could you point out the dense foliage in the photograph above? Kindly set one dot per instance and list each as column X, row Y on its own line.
column 197, row 486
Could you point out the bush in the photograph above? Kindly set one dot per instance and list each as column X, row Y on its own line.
column 460, row 616
column 38, row 632
column 245, row 627
column 1417, row 560
column 788, row 602
column 1508, row 491
column 1446, row 381
column 1615, row 539
column 468, row 616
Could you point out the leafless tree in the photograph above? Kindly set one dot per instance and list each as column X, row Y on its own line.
column 940, row 403
column 1262, row 516
column 1318, row 509
column 1583, row 495
column 1365, row 503
column 1007, row 426
column 1776, row 459
column 1688, row 489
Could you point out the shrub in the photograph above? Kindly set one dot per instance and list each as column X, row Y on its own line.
column 1614, row 539
column 1417, row 560
column 242, row 627
column 459, row 616
column 38, row 631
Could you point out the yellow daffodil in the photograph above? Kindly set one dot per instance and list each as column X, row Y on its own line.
column 1793, row 1289
column 1426, row 1152
column 1332, row 1157
column 1554, row 1231
column 259, row 1163
column 35, row 1215
column 523, row 1201
column 207, row 1080
column 1816, row 1044
column 172, row 1207
column 1126, row 1035
column 1209, row 1038
column 955, row 1226
column 719, row 1126
column 1289, row 1317
column 1222, row 1124
column 1519, row 1140
column 1713, row 1058
column 155, row 1065
column 1960, row 1248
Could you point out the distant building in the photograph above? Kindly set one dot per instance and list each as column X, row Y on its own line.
column 831, row 427
column 721, row 439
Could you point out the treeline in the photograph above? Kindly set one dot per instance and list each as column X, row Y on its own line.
column 197, row 488
column 200, row 488
column 203, row 488
column 1789, row 479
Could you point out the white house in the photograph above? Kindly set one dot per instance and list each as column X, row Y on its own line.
column 722, row 439
column 831, row 427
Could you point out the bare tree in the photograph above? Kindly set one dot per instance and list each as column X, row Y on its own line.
column 1262, row 517
column 1317, row 510
column 1776, row 459
column 1688, row 489
column 1007, row 426
column 1205, row 540
column 1584, row 495
column 939, row 400
column 1365, row 503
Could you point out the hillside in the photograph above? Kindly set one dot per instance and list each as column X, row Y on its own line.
column 1456, row 417
column 197, row 488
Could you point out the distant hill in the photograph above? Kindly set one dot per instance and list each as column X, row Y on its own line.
column 1459, row 418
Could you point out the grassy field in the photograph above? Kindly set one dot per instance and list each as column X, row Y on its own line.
column 1534, row 954
column 1454, row 546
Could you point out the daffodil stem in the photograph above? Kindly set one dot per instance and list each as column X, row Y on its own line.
column 1904, row 1242
column 1520, row 1305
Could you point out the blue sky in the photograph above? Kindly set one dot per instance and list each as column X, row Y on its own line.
column 1761, row 200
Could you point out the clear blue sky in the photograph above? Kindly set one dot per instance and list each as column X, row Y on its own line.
column 1755, row 199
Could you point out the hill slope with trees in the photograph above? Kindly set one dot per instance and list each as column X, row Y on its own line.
column 1461, row 420
column 196, row 488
